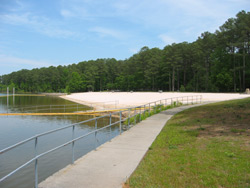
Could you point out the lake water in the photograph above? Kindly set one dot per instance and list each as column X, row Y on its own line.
column 14, row 129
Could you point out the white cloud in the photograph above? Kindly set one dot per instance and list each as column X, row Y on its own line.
column 121, row 5
column 79, row 10
column 11, row 63
column 67, row 14
column 14, row 6
column 167, row 39
column 41, row 25
column 76, row 12
column 196, row 7
column 15, row 19
column 106, row 32
column 16, row 62
column 134, row 50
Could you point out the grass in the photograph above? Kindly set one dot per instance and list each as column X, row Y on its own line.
column 206, row 146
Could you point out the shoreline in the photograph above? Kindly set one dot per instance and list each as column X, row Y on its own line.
column 115, row 100
column 78, row 101
column 54, row 94
column 93, row 105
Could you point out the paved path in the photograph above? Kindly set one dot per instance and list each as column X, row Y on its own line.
column 113, row 162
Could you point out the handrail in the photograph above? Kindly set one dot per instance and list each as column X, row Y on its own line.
column 49, row 132
column 153, row 105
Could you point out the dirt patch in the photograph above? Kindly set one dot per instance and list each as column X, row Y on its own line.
column 238, row 132
column 224, row 130
column 125, row 185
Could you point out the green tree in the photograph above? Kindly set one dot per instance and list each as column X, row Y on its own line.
column 76, row 83
column 224, row 81
column 217, row 61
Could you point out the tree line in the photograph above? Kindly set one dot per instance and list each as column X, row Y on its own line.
column 215, row 62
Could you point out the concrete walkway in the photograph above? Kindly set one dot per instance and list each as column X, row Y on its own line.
column 113, row 162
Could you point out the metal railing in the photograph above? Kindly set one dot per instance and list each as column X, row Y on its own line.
column 125, row 119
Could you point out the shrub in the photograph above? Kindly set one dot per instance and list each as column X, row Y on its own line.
column 182, row 89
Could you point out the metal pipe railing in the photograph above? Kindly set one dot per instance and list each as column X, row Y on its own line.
column 138, row 110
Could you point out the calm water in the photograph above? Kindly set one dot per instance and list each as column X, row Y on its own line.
column 17, row 128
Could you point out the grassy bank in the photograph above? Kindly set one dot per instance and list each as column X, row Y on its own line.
column 207, row 146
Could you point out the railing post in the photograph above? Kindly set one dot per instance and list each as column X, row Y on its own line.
column 192, row 99
column 129, row 117
column 36, row 175
column 149, row 110
column 135, row 116
column 7, row 99
column 187, row 99
column 36, row 163
column 73, row 145
column 95, row 133
column 120, row 127
column 144, row 111
column 110, row 122
column 139, row 115
column 155, row 108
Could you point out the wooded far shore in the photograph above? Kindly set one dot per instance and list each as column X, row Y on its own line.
column 215, row 62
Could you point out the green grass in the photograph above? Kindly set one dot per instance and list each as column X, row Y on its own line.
column 206, row 146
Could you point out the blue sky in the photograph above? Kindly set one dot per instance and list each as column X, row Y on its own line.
column 42, row 33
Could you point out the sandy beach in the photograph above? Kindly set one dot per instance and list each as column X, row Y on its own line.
column 102, row 100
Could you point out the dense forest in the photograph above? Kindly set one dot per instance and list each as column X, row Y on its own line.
column 215, row 62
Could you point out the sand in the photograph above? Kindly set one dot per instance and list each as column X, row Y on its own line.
column 104, row 100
